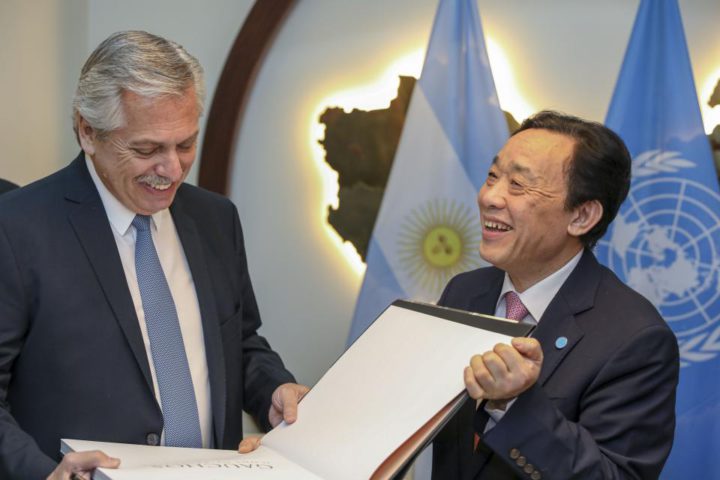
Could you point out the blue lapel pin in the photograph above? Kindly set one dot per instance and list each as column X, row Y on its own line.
column 561, row 342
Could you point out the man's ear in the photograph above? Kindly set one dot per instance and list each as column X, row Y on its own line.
column 86, row 135
column 585, row 217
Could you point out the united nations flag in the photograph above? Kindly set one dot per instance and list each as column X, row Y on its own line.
column 665, row 242
column 428, row 229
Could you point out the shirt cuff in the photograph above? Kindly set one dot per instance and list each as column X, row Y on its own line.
column 496, row 414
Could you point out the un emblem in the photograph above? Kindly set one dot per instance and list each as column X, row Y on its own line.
column 665, row 243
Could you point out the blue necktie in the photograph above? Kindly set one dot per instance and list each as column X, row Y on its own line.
column 180, row 413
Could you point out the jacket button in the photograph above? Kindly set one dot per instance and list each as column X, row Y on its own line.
column 521, row 461
column 536, row 475
column 529, row 468
column 152, row 439
column 514, row 453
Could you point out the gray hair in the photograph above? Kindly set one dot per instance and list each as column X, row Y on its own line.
column 133, row 61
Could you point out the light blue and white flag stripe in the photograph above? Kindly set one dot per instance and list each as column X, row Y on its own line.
column 665, row 242
column 453, row 129
column 428, row 228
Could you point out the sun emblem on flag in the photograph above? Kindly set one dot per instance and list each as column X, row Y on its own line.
column 437, row 241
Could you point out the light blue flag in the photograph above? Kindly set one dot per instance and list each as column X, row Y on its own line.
column 665, row 242
column 428, row 228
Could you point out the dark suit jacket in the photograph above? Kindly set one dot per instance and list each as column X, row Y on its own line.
column 72, row 360
column 604, row 405
column 6, row 186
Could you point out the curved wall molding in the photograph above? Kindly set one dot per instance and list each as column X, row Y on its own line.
column 236, row 82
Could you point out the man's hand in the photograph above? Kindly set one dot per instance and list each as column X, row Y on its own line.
column 284, row 403
column 285, row 399
column 506, row 371
column 248, row 444
column 76, row 465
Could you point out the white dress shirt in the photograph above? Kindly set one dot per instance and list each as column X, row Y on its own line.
column 182, row 287
column 536, row 299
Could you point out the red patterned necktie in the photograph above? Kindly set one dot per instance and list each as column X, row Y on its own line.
column 514, row 308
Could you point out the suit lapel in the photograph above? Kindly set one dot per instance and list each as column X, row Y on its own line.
column 485, row 300
column 191, row 243
column 575, row 296
column 89, row 221
column 558, row 321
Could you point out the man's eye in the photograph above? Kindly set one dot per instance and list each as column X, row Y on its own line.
column 515, row 184
column 145, row 152
column 186, row 147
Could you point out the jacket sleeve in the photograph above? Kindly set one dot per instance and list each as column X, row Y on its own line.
column 262, row 367
column 20, row 456
column 626, row 419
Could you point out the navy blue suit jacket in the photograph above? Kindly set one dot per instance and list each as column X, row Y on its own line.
column 604, row 405
column 6, row 186
column 72, row 359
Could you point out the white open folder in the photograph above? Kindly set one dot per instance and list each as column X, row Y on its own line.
column 381, row 402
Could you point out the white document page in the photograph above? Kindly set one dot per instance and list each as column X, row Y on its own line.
column 405, row 368
column 173, row 463
column 391, row 382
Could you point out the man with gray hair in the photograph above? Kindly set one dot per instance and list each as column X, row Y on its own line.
column 127, row 312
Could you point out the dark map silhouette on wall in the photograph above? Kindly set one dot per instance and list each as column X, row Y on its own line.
column 360, row 146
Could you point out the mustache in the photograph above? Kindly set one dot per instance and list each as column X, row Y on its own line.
column 156, row 180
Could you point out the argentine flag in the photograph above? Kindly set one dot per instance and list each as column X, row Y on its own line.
column 665, row 242
column 428, row 228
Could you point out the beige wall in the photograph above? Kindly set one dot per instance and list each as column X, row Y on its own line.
column 41, row 49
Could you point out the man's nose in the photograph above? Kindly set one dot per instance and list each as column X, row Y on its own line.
column 170, row 166
column 491, row 196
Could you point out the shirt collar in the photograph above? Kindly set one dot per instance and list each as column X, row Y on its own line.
column 119, row 215
column 537, row 298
